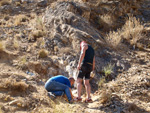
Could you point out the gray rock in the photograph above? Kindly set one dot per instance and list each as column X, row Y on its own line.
column 42, row 3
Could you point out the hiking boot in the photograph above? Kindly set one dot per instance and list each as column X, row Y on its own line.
column 51, row 95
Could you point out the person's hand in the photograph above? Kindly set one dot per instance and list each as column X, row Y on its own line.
column 78, row 67
column 92, row 74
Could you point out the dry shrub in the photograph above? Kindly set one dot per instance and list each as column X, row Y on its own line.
column 106, row 18
column 43, row 53
column 12, row 84
column 131, row 32
column 20, row 86
column 114, row 87
column 101, row 82
column 105, row 97
column 20, row 18
column 113, row 39
column 4, row 2
column 22, row 63
column 38, row 33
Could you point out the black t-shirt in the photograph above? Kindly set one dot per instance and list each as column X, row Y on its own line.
column 89, row 55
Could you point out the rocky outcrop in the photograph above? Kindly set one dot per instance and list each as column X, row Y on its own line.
column 68, row 24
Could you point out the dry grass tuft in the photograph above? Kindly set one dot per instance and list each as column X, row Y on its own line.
column 106, row 18
column 101, row 82
column 113, row 86
column 20, row 86
column 38, row 33
column 13, row 85
column 43, row 53
column 108, row 69
column 22, row 63
column 105, row 97
column 20, row 18
column 131, row 32
column 4, row 2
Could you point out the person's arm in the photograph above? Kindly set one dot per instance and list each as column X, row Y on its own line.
column 71, row 93
column 94, row 63
column 84, row 48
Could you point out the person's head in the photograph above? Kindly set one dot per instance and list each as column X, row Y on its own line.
column 72, row 80
column 82, row 43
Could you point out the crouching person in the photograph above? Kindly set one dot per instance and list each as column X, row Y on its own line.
column 59, row 85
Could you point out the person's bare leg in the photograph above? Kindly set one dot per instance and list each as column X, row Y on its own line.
column 79, row 87
column 88, row 88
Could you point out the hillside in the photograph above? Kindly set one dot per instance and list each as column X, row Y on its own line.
column 40, row 39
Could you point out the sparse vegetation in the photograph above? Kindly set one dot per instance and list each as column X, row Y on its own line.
column 32, row 50
column 4, row 2
column 101, row 82
column 22, row 62
column 14, row 85
column 105, row 96
column 131, row 31
column 37, row 34
column 108, row 69
column 64, row 109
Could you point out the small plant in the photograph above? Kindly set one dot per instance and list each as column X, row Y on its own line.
column 101, row 82
column 22, row 62
column 43, row 53
column 108, row 69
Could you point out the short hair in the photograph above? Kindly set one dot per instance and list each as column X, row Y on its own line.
column 71, row 78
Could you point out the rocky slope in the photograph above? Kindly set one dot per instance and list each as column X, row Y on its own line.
column 40, row 39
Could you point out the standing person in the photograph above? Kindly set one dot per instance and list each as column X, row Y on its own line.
column 85, row 66
column 59, row 85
